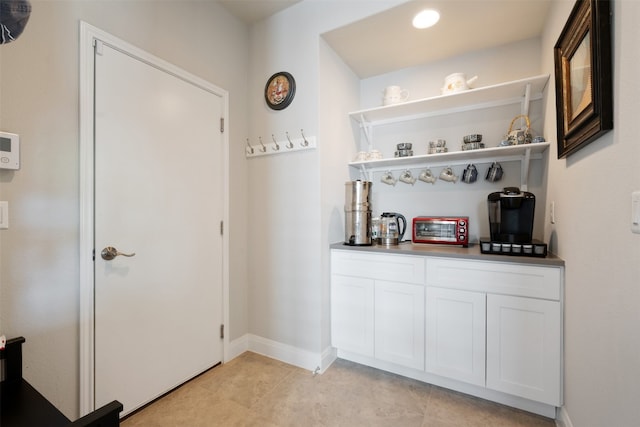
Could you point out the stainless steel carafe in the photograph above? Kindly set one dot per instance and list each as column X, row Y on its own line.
column 357, row 213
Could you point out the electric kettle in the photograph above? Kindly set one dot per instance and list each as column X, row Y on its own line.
column 392, row 228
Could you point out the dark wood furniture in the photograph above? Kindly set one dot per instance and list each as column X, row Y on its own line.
column 22, row 405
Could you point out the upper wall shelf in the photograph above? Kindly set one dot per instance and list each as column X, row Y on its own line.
column 515, row 92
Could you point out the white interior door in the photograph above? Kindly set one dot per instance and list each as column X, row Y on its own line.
column 158, row 194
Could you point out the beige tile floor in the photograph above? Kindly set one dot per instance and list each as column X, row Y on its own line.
column 253, row 390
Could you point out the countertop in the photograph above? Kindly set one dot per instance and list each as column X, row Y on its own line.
column 447, row 251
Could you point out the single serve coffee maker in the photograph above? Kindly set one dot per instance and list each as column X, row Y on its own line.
column 511, row 214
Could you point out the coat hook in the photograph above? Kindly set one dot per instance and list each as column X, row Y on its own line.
column 305, row 143
column 250, row 147
column 290, row 144
column 263, row 149
column 277, row 147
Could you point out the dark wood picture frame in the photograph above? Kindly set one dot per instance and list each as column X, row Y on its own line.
column 583, row 73
column 280, row 90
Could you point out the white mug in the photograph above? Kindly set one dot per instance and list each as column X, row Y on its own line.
column 394, row 95
column 457, row 82
column 448, row 175
column 360, row 157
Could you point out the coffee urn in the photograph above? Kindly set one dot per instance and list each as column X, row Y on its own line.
column 357, row 213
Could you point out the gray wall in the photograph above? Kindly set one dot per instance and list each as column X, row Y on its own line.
column 592, row 194
column 39, row 285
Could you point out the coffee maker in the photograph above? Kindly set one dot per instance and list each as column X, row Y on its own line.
column 511, row 214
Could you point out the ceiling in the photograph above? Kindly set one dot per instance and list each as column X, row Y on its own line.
column 250, row 11
column 387, row 42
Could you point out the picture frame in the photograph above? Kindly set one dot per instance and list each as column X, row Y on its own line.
column 280, row 90
column 583, row 70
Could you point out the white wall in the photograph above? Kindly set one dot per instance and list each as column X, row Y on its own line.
column 300, row 196
column 339, row 96
column 592, row 193
column 492, row 66
column 293, row 196
column 39, row 282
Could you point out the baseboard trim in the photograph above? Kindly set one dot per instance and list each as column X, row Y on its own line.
column 237, row 347
column 563, row 419
column 314, row 362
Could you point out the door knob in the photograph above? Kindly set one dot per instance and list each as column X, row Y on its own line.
column 110, row 253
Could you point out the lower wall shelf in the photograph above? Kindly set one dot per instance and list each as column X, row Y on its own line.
column 523, row 153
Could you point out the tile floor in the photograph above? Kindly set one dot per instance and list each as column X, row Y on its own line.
column 253, row 390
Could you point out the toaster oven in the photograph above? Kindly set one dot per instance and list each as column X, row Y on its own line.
column 441, row 230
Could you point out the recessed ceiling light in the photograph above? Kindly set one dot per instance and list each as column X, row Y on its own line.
column 425, row 19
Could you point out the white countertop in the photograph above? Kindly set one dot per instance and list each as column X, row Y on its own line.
column 472, row 252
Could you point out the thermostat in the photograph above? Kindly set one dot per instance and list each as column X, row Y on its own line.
column 9, row 151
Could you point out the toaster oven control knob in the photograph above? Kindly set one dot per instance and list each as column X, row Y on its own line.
column 462, row 223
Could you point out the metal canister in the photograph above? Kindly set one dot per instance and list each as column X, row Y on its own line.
column 357, row 213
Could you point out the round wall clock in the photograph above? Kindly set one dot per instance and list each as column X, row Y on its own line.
column 280, row 90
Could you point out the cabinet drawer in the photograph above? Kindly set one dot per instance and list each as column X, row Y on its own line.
column 397, row 268
column 494, row 277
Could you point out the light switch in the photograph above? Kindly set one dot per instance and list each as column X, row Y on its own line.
column 4, row 215
column 635, row 212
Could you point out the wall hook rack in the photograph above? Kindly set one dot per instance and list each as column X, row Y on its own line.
column 280, row 146
column 276, row 146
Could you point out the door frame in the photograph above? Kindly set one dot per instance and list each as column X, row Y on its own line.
column 88, row 36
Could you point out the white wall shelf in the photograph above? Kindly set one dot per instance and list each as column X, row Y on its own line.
column 486, row 155
column 520, row 92
column 515, row 92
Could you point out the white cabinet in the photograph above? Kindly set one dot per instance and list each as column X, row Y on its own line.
column 399, row 323
column 523, row 322
column 377, row 306
column 492, row 329
column 524, row 347
column 455, row 334
column 352, row 314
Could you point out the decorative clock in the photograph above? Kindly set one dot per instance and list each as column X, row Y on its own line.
column 280, row 90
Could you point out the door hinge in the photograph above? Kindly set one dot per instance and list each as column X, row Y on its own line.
column 221, row 124
column 222, row 331
column 222, row 228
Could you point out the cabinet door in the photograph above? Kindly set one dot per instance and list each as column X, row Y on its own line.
column 399, row 323
column 352, row 314
column 524, row 347
column 455, row 343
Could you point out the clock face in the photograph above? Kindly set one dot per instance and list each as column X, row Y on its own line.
column 280, row 90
